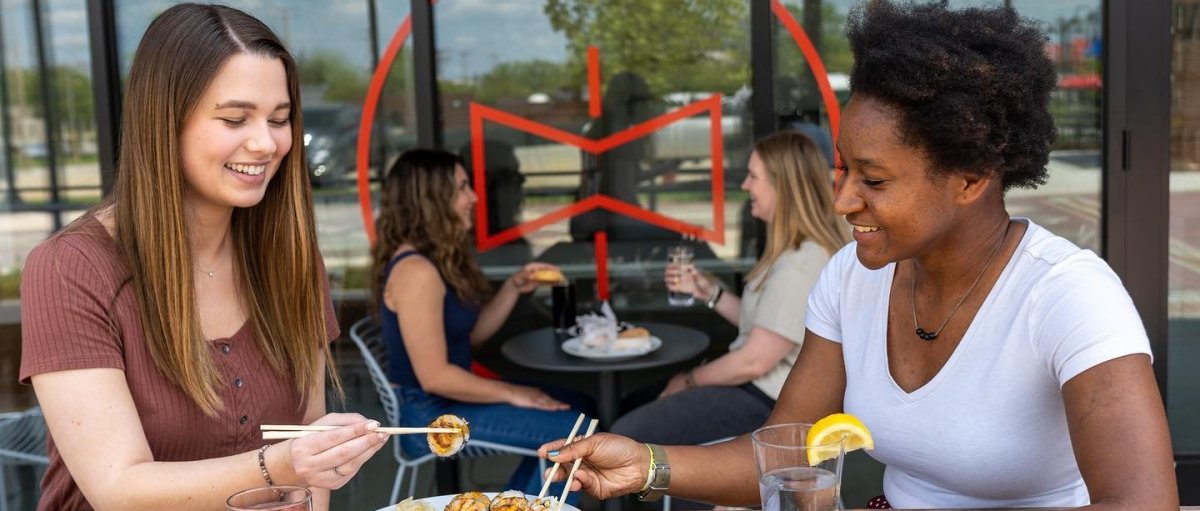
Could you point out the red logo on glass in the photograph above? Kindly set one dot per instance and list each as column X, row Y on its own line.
column 480, row 113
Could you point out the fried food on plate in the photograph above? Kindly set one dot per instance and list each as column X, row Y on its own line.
column 634, row 332
column 469, row 501
column 511, row 500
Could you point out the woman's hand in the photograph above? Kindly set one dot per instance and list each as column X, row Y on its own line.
column 532, row 397
column 683, row 278
column 329, row 459
column 523, row 280
column 675, row 385
column 612, row 465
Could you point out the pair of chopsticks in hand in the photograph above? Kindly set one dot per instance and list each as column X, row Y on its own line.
column 280, row 432
column 570, row 475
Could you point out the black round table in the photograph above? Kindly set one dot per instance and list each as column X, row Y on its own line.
column 542, row 349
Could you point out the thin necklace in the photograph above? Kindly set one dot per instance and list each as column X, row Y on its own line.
column 929, row 336
column 206, row 272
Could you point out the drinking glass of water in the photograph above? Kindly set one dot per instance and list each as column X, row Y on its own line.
column 679, row 258
column 786, row 481
column 273, row 498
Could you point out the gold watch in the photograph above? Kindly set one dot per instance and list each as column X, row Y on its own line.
column 659, row 476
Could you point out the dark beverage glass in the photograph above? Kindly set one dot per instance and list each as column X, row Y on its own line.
column 562, row 306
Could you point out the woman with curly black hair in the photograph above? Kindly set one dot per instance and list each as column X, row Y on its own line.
column 997, row 365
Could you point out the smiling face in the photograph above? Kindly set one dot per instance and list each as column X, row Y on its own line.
column 761, row 187
column 237, row 134
column 897, row 207
column 464, row 196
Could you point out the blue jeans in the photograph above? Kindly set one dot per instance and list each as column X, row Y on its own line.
column 500, row 423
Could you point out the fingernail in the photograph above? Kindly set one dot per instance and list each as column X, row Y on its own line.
column 382, row 437
column 552, row 454
column 372, row 426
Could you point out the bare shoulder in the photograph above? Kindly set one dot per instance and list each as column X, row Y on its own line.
column 414, row 274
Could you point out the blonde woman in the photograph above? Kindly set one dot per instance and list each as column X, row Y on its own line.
column 790, row 189
column 162, row 328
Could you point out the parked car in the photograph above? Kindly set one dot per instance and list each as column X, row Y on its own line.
column 330, row 137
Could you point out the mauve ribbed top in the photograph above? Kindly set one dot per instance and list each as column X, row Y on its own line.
column 79, row 311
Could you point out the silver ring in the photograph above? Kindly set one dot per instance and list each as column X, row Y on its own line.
column 338, row 472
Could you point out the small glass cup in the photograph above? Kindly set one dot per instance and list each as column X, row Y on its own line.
column 786, row 481
column 679, row 257
column 562, row 306
column 273, row 498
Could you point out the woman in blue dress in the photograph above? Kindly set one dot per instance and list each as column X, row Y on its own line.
column 435, row 305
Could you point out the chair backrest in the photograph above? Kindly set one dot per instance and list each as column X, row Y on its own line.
column 365, row 334
column 23, row 438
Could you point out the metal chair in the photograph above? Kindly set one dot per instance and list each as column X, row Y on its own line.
column 22, row 442
column 365, row 334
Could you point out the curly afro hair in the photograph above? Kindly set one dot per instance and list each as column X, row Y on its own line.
column 971, row 87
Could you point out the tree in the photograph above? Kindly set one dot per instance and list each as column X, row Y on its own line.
column 520, row 79
column 343, row 83
column 676, row 45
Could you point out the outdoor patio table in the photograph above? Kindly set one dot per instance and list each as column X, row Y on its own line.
column 541, row 349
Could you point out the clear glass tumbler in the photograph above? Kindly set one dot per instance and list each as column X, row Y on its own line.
column 679, row 258
column 786, row 480
column 273, row 498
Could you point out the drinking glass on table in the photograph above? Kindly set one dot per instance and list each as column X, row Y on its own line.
column 679, row 260
column 273, row 498
column 562, row 306
column 786, row 480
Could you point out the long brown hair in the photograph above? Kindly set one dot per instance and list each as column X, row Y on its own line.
column 418, row 209
column 803, row 199
column 277, row 258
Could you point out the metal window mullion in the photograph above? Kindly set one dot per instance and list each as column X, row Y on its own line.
column 425, row 75
column 10, row 171
column 106, row 87
column 762, row 68
column 1136, row 216
column 46, row 85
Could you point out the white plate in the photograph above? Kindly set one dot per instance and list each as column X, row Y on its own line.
column 439, row 502
column 574, row 346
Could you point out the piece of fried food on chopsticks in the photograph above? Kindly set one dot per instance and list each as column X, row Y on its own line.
column 448, row 444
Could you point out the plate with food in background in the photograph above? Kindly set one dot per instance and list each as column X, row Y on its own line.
column 630, row 342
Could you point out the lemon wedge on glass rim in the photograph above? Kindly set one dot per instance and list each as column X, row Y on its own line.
column 827, row 431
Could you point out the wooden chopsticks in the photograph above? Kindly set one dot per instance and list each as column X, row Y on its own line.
column 284, row 431
column 571, row 475
column 554, row 471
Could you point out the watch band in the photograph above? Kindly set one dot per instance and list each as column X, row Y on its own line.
column 716, row 297
column 660, row 475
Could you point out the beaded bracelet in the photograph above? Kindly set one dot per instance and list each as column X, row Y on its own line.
column 262, row 465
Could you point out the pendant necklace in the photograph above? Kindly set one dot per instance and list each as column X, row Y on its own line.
column 929, row 336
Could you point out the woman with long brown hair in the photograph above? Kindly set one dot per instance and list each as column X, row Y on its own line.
column 790, row 188
column 435, row 304
column 164, row 326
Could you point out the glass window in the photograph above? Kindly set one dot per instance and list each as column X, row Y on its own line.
column 530, row 59
column 1069, row 203
column 48, row 164
column 1183, row 281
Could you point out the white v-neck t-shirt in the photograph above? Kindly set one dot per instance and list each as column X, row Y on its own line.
column 989, row 430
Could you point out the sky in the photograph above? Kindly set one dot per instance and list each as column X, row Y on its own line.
column 472, row 35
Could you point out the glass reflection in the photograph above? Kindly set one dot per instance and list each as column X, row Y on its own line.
column 1183, row 277
column 529, row 59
